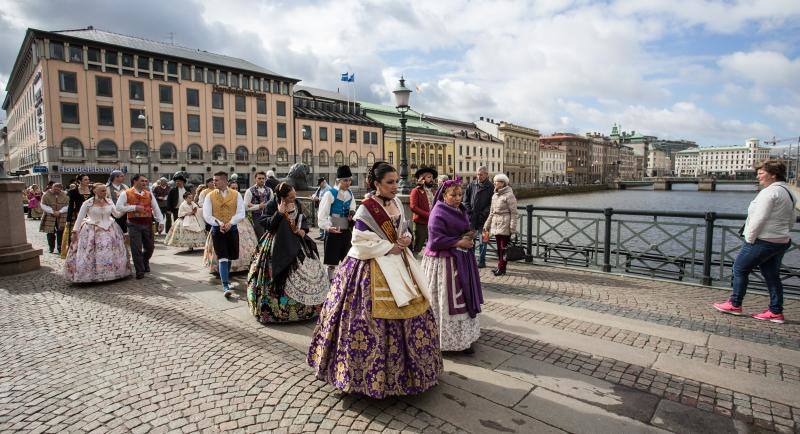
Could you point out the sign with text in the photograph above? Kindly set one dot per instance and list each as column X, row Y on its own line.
column 233, row 90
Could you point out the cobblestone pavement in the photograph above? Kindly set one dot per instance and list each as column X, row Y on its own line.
column 154, row 355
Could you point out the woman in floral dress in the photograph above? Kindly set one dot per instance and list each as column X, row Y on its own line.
column 97, row 251
column 189, row 229
column 34, row 199
column 286, row 252
column 248, row 242
column 376, row 334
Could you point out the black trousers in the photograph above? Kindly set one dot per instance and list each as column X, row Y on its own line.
column 142, row 246
column 54, row 240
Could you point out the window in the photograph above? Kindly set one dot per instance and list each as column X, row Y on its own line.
column 172, row 68
column 353, row 159
column 158, row 65
column 265, row 85
column 323, row 158
column 194, row 152
column 338, row 158
column 136, row 90
column 198, row 74
column 106, row 149
column 165, row 94
column 71, row 147
column 283, row 155
column 67, row 82
column 57, row 50
column 373, row 138
column 337, row 135
column 186, row 72
column 285, row 88
column 75, row 53
column 137, row 122
column 281, row 130
column 242, row 154
column 168, row 151
column 211, row 77
column 139, row 149
column 111, row 58
column 353, row 136
column 391, row 157
column 193, row 123
column 245, row 83
column 276, row 87
column 218, row 124
column 261, row 128
column 241, row 127
column 93, row 54
column 167, row 121
column 69, row 113
column 223, row 78
column 261, row 105
column 366, row 138
column 370, row 159
column 306, row 132
column 262, row 155
column 240, row 103
column 234, row 80
column 280, row 108
column 143, row 63
column 307, row 157
column 193, row 97
column 103, row 86
column 127, row 60
column 218, row 153
column 217, row 100
column 323, row 134
column 105, row 116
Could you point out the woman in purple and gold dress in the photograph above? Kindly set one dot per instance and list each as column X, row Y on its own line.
column 376, row 334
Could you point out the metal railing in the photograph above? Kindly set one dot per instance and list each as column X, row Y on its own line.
column 688, row 246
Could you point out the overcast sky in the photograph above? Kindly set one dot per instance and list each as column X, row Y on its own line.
column 716, row 72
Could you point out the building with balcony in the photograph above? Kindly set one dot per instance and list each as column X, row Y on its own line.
column 521, row 151
column 330, row 132
column 90, row 101
column 473, row 148
column 428, row 145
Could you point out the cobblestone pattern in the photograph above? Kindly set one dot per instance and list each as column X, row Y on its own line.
column 752, row 410
column 687, row 307
column 137, row 357
column 740, row 362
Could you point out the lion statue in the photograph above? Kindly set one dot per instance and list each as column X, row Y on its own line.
column 297, row 176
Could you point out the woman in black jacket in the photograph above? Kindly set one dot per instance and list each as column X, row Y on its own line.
column 287, row 281
column 76, row 196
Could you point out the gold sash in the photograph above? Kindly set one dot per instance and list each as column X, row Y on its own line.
column 383, row 305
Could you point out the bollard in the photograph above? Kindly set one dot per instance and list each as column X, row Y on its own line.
column 529, row 241
column 710, row 217
column 607, row 212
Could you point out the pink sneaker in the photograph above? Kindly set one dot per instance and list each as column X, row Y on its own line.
column 769, row 316
column 727, row 307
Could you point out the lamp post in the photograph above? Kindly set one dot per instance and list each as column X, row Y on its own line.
column 401, row 96
column 142, row 117
column 138, row 160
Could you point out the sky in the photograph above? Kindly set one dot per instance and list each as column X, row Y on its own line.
column 716, row 72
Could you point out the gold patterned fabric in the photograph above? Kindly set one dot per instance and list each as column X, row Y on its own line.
column 383, row 304
column 223, row 208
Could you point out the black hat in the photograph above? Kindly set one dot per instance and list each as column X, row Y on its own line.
column 320, row 179
column 179, row 178
column 343, row 172
column 425, row 170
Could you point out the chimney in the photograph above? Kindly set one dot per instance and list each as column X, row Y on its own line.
column 481, row 117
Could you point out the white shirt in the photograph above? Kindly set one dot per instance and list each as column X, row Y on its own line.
column 771, row 215
column 48, row 210
column 181, row 192
column 248, row 198
column 123, row 207
column 324, row 212
column 207, row 209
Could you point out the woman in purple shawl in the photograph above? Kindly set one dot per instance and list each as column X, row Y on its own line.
column 452, row 272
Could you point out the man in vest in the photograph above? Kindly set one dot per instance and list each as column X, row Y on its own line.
column 223, row 209
column 54, row 206
column 255, row 200
column 335, row 217
column 142, row 207
column 421, row 202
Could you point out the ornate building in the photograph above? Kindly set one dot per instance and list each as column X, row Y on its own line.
column 474, row 148
column 521, row 152
column 92, row 101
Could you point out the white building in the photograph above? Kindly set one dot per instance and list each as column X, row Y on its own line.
column 474, row 148
column 658, row 163
column 553, row 163
column 723, row 160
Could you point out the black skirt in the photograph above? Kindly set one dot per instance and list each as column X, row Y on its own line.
column 336, row 247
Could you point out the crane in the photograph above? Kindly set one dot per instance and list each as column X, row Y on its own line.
column 791, row 140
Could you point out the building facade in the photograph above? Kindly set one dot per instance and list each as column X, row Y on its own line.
column 474, row 148
column 552, row 164
column 579, row 157
column 723, row 161
column 428, row 145
column 659, row 163
column 90, row 101
column 331, row 132
column 521, row 152
column 628, row 168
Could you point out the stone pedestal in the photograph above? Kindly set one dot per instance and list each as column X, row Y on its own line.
column 706, row 184
column 16, row 254
column 662, row 184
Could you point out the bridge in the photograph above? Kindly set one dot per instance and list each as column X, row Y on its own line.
column 664, row 183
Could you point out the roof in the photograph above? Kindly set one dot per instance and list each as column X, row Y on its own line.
column 390, row 118
column 321, row 93
column 156, row 47
column 461, row 128
column 333, row 116
column 564, row 136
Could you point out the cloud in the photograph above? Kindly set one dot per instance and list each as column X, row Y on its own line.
column 763, row 68
column 787, row 114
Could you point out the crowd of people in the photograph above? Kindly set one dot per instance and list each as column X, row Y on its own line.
column 389, row 295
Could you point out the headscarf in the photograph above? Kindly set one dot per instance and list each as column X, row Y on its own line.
column 443, row 187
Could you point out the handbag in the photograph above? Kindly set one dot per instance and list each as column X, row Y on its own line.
column 514, row 251
column 309, row 283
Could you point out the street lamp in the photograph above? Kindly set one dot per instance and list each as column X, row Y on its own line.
column 138, row 160
column 142, row 117
column 401, row 95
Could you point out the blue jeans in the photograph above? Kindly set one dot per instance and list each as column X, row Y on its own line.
column 481, row 248
column 767, row 256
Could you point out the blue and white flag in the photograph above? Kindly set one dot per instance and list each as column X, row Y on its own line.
column 352, row 77
column 345, row 77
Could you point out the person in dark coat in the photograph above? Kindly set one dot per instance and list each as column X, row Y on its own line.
column 421, row 203
column 175, row 196
column 478, row 201
column 272, row 182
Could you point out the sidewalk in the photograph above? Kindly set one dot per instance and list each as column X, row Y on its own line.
column 561, row 350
